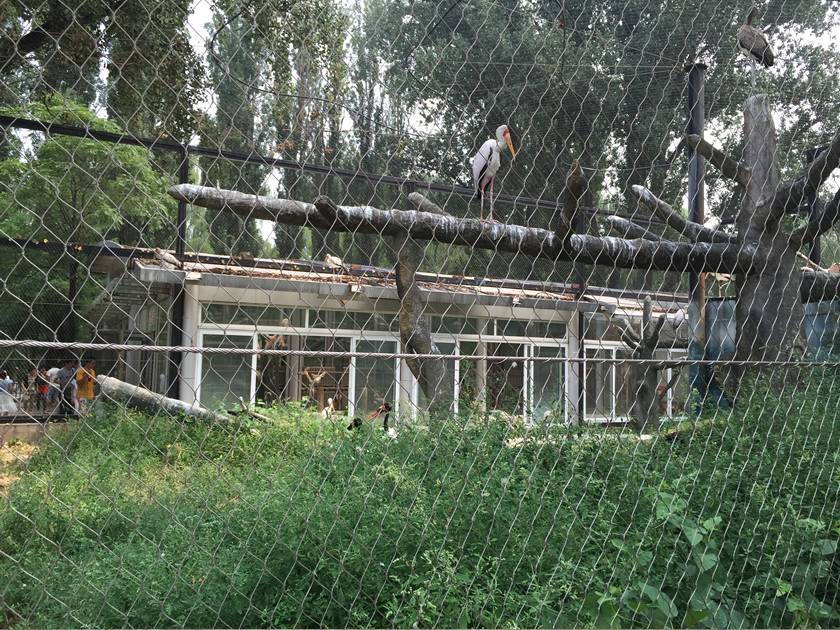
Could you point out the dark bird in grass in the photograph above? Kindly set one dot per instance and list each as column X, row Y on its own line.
column 754, row 43
column 384, row 408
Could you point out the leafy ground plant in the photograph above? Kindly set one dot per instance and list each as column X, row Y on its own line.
column 128, row 520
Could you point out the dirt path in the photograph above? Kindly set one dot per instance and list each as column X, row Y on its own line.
column 12, row 455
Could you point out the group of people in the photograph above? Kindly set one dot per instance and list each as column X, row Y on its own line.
column 68, row 390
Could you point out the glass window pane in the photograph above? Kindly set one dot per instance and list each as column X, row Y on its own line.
column 250, row 315
column 511, row 328
column 548, row 404
column 326, row 377
column 449, row 367
column 376, row 378
column 506, row 378
column 545, row 330
column 599, row 390
column 680, row 392
column 350, row 320
column 597, row 327
column 467, row 386
column 272, row 370
column 225, row 378
column 626, row 388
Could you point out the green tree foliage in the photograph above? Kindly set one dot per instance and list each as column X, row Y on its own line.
column 236, row 63
column 155, row 78
column 70, row 191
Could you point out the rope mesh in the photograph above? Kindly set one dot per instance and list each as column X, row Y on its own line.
column 430, row 313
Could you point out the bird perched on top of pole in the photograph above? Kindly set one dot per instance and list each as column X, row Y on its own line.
column 487, row 162
column 753, row 43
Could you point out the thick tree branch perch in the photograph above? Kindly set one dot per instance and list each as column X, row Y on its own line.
column 818, row 225
column 424, row 204
column 819, row 285
column 693, row 231
column 652, row 337
column 789, row 195
column 729, row 167
column 628, row 229
column 415, row 331
column 538, row 243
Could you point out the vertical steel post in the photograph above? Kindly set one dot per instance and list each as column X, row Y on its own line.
column 696, row 213
column 176, row 330
column 183, row 178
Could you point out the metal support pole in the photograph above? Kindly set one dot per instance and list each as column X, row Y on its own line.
column 183, row 178
column 176, row 330
column 696, row 212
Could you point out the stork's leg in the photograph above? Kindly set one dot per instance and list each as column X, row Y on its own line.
column 490, row 216
column 752, row 72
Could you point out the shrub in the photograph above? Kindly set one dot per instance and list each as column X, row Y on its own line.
column 125, row 520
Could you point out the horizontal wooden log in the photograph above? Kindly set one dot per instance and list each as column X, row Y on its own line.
column 677, row 222
column 627, row 229
column 143, row 399
column 538, row 243
column 729, row 167
column 820, row 224
column 424, row 204
column 789, row 195
column 817, row 286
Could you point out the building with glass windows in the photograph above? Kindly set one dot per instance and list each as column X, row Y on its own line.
column 308, row 306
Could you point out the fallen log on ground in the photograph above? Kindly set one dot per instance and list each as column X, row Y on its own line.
column 142, row 399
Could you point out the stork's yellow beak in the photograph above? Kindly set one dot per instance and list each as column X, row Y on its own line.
column 510, row 145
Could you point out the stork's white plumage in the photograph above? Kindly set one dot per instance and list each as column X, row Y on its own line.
column 487, row 162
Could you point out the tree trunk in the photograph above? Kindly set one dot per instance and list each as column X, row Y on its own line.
column 769, row 311
column 142, row 399
column 415, row 331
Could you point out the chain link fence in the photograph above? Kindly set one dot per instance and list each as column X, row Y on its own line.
column 463, row 313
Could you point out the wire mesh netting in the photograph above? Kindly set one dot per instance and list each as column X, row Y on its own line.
column 446, row 313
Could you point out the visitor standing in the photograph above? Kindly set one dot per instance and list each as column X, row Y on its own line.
column 85, row 379
column 66, row 381
column 42, row 388
column 8, row 406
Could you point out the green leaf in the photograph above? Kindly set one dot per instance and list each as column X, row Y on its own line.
column 666, row 605
column 694, row 617
column 783, row 588
column 668, row 504
column 693, row 536
column 810, row 524
column 607, row 616
column 826, row 547
column 710, row 524
column 464, row 619
column 794, row 604
column 706, row 561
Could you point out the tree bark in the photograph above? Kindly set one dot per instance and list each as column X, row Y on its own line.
column 142, row 399
column 769, row 311
column 415, row 331
column 584, row 248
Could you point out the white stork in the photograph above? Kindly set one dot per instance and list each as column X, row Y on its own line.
column 753, row 43
column 486, row 164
